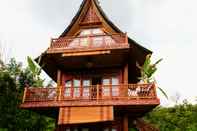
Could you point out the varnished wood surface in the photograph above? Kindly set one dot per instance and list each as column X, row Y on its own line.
column 77, row 115
column 92, row 93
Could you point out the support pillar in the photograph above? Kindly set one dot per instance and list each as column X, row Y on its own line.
column 125, row 123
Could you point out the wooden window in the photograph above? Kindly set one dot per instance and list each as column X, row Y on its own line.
column 74, row 43
column 106, row 86
column 85, row 32
column 97, row 41
column 86, row 87
column 76, row 85
column 84, row 42
column 97, row 31
column 110, row 86
column 68, row 85
column 115, row 84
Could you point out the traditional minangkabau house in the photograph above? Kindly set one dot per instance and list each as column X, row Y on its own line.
column 94, row 65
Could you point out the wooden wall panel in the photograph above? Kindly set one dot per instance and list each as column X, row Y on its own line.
column 77, row 115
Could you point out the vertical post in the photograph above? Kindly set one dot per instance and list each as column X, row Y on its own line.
column 125, row 72
column 155, row 92
column 125, row 123
column 24, row 95
column 97, row 93
column 110, row 89
column 59, row 84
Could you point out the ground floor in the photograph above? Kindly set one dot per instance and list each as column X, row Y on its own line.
column 119, row 124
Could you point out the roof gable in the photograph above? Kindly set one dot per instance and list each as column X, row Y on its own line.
column 90, row 13
column 90, row 17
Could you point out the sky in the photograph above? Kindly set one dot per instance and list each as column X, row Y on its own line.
column 167, row 27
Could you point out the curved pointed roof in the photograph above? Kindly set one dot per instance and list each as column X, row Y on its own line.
column 82, row 6
column 91, row 8
column 103, row 16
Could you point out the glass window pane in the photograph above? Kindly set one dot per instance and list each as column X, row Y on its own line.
column 106, row 81
column 97, row 41
column 85, row 32
column 115, row 87
column 97, row 31
column 86, row 82
column 68, row 83
column 86, row 88
column 115, row 81
column 74, row 43
column 84, row 42
column 76, row 83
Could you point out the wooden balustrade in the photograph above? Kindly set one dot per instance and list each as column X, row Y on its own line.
column 95, row 92
column 94, row 42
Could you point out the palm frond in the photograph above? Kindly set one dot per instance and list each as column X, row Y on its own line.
column 31, row 65
column 163, row 92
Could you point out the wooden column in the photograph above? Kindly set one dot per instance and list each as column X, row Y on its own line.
column 125, row 77
column 125, row 73
column 59, row 78
column 125, row 123
column 59, row 87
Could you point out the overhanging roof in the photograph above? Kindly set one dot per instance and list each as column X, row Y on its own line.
column 138, row 52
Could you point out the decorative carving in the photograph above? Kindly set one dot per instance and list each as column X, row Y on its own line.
column 90, row 17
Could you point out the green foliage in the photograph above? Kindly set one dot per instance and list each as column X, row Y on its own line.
column 36, row 71
column 181, row 117
column 147, row 71
column 13, row 79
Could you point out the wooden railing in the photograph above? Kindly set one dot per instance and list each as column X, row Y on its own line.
column 93, row 42
column 95, row 92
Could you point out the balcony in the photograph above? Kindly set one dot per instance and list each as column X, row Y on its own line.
column 124, row 94
column 88, row 43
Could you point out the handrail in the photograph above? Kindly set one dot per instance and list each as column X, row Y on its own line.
column 93, row 92
column 102, row 41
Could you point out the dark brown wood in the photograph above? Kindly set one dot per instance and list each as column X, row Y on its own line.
column 125, row 123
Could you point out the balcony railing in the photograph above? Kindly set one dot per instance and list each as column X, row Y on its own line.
column 95, row 92
column 84, row 43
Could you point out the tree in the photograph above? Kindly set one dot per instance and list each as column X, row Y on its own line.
column 182, row 117
column 13, row 79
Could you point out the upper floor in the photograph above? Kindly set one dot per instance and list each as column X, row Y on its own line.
column 93, row 63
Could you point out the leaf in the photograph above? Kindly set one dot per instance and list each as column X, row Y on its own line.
column 31, row 65
column 151, row 71
column 163, row 92
column 157, row 62
column 39, row 59
column 147, row 63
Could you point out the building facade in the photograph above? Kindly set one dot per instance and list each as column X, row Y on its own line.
column 94, row 65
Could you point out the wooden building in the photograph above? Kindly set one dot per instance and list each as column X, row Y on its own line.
column 94, row 65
